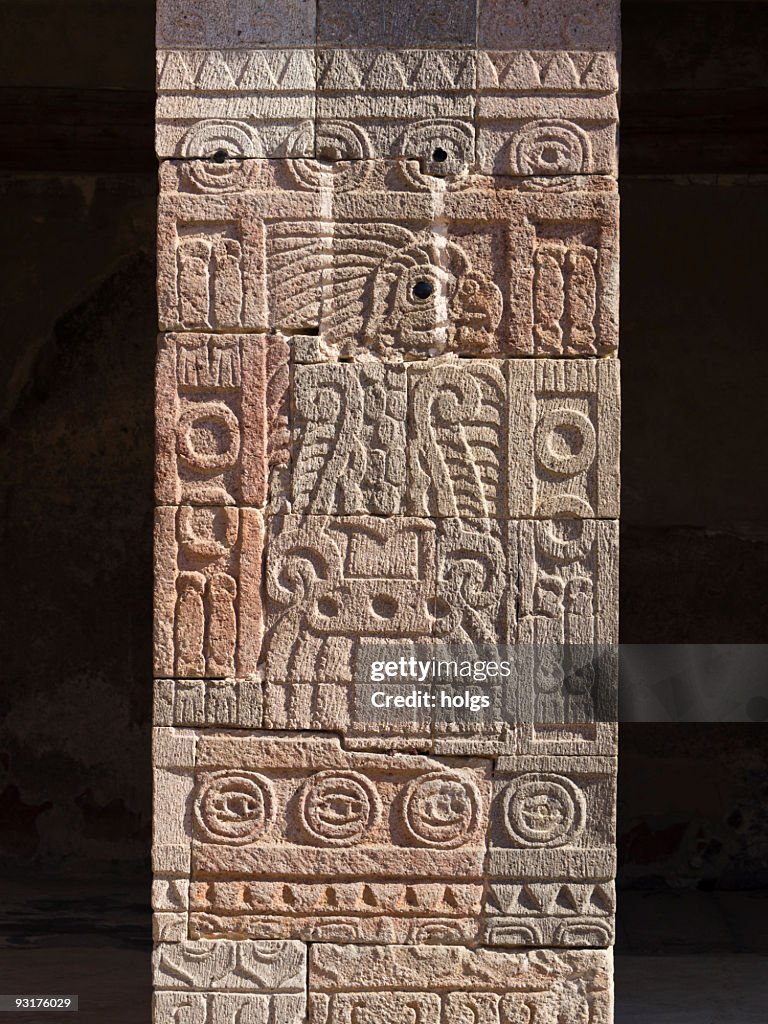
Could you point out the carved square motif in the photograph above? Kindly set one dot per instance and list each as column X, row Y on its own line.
column 547, row 112
column 221, row 417
column 208, row 620
column 552, row 852
column 564, row 421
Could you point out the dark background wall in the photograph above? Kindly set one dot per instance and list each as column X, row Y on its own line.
column 77, row 205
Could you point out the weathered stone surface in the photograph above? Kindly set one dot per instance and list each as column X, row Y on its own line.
column 237, row 103
column 544, row 112
column 235, row 966
column 379, row 262
column 235, row 23
column 409, row 23
column 551, row 851
column 298, row 838
column 208, row 621
column 440, row 983
column 549, row 25
column 236, row 703
column 564, row 438
column 221, row 417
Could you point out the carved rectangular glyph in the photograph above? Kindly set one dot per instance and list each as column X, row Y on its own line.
column 235, row 23
column 546, row 112
column 232, row 703
column 564, row 431
column 208, row 619
column 441, row 984
column 221, row 417
column 298, row 838
column 223, row 103
column 552, row 852
column 378, row 261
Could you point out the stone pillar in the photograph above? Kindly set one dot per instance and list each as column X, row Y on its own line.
column 387, row 419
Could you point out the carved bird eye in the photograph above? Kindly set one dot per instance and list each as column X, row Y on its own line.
column 423, row 289
column 439, row 155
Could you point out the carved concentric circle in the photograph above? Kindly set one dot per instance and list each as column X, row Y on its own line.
column 441, row 809
column 220, row 140
column 550, row 147
column 444, row 148
column 565, row 441
column 234, row 808
column 339, row 808
column 343, row 159
column 543, row 810
column 208, row 436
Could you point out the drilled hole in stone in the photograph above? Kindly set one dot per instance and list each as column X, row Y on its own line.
column 439, row 155
column 220, row 156
column 423, row 289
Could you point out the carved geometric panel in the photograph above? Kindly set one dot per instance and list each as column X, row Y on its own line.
column 404, row 104
column 221, row 417
column 546, row 112
column 552, row 852
column 441, row 984
column 235, row 103
column 549, row 25
column 295, row 838
column 208, row 620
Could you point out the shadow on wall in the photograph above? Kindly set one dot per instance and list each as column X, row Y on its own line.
column 77, row 463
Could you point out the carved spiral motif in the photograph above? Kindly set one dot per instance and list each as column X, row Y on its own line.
column 444, row 149
column 441, row 809
column 550, row 147
column 235, row 808
column 208, row 436
column 543, row 810
column 225, row 138
column 343, row 154
column 339, row 808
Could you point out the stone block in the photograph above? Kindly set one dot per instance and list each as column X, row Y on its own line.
column 552, row 852
column 221, row 417
column 229, row 1008
column 231, row 703
column 295, row 837
column 172, row 821
column 223, row 966
column 564, row 438
column 429, row 24
column 549, row 25
column 378, row 261
column 546, row 112
column 235, row 23
column 433, row 984
column 223, row 103
column 168, row 926
column 405, row 104
column 208, row 620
